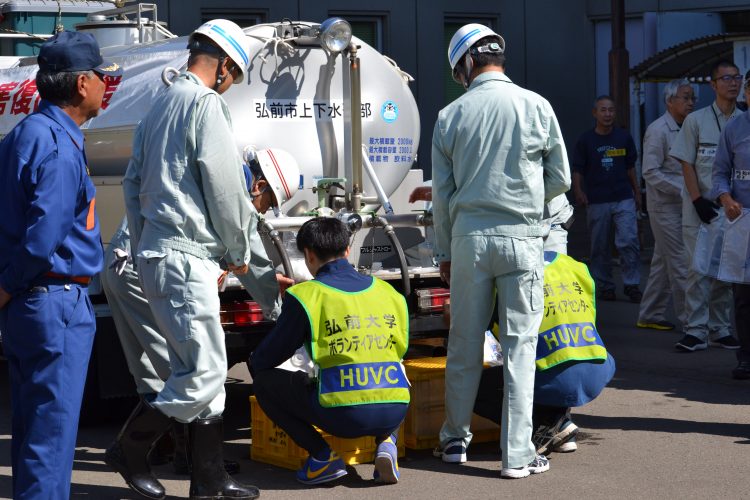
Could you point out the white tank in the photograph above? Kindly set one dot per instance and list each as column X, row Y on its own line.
column 294, row 100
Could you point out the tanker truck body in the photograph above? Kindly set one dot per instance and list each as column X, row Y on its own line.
column 298, row 97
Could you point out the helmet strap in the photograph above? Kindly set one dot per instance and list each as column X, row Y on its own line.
column 219, row 76
column 468, row 68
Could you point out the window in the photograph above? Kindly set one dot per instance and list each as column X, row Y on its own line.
column 243, row 17
column 368, row 28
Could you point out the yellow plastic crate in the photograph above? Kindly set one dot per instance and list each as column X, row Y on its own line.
column 272, row 445
column 427, row 408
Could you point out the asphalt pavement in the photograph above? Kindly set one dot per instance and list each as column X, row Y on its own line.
column 670, row 425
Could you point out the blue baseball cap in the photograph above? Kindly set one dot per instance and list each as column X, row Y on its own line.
column 74, row 51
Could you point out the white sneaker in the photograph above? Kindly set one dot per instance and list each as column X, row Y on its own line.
column 537, row 466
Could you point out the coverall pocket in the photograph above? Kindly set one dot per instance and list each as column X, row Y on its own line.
column 535, row 298
column 74, row 306
column 174, row 281
column 527, row 253
column 152, row 272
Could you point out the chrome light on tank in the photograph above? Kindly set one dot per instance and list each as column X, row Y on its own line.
column 335, row 34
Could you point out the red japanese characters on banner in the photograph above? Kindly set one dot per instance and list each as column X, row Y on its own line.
column 112, row 83
column 23, row 98
column 5, row 90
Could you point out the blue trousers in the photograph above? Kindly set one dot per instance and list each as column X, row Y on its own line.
column 600, row 217
column 290, row 400
column 47, row 337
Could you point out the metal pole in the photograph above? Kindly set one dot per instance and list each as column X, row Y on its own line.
column 356, row 116
column 619, row 79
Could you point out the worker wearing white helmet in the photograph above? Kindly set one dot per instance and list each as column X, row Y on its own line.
column 144, row 346
column 188, row 208
column 497, row 157
column 225, row 40
column 272, row 177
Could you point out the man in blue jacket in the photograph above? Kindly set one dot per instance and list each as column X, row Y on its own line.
column 50, row 248
column 355, row 329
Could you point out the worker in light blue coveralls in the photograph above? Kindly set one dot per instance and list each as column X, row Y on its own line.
column 497, row 157
column 271, row 179
column 50, row 248
column 188, row 208
column 355, row 329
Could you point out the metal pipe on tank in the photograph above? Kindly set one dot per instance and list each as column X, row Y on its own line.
column 356, row 132
column 382, row 196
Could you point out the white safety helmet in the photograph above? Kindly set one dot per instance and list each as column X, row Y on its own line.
column 281, row 171
column 231, row 39
column 463, row 40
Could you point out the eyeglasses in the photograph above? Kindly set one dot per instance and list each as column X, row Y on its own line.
column 690, row 98
column 730, row 78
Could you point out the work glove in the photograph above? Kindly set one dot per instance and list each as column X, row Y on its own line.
column 706, row 209
column 121, row 260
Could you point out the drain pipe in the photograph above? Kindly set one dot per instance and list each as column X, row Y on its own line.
column 378, row 221
column 356, row 132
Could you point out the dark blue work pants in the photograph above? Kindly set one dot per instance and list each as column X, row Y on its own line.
column 290, row 400
column 47, row 334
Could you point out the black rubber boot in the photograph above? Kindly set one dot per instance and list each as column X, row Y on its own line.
column 128, row 455
column 181, row 461
column 163, row 451
column 208, row 479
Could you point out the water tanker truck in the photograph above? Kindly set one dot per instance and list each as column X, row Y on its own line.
column 340, row 108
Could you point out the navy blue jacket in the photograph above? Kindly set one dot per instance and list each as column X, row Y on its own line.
column 48, row 219
column 292, row 329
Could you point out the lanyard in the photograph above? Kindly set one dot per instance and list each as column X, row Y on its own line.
column 716, row 117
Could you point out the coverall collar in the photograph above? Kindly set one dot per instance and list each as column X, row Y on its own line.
column 671, row 122
column 487, row 76
column 56, row 113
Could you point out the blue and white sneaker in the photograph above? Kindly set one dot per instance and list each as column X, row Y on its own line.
column 537, row 466
column 568, row 446
column 321, row 471
column 454, row 452
column 386, row 462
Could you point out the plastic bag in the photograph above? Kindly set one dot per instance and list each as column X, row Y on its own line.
column 300, row 361
column 722, row 250
column 493, row 353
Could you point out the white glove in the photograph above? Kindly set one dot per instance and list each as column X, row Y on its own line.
column 121, row 260
column 249, row 154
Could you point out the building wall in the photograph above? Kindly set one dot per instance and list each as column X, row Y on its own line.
column 551, row 45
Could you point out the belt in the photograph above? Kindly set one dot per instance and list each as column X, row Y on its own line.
column 81, row 280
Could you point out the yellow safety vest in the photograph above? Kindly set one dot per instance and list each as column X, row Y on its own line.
column 568, row 330
column 358, row 342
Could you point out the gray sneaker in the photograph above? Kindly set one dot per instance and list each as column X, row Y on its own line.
column 537, row 466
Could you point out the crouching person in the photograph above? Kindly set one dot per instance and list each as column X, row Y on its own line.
column 572, row 364
column 355, row 329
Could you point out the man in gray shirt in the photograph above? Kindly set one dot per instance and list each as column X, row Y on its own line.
column 708, row 305
column 664, row 184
